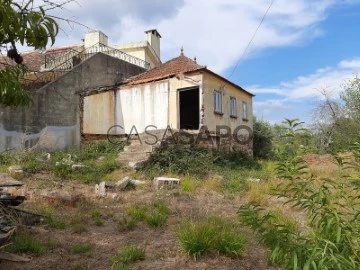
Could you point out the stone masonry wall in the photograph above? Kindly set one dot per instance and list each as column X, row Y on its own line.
column 52, row 122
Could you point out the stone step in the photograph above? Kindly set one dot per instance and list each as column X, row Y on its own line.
column 138, row 148
column 132, row 156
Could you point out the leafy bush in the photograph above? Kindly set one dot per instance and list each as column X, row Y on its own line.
column 191, row 159
column 235, row 160
column 263, row 139
column 333, row 211
column 181, row 159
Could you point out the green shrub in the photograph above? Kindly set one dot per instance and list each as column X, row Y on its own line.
column 212, row 234
column 137, row 212
column 263, row 140
column 235, row 160
column 126, row 224
column 161, row 207
column 26, row 243
column 155, row 219
column 128, row 254
column 51, row 219
column 230, row 242
column 332, row 209
column 181, row 159
column 188, row 184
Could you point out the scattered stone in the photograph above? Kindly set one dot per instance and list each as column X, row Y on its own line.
column 166, row 182
column 78, row 166
column 115, row 196
column 16, row 171
column 254, row 180
column 137, row 165
column 137, row 182
column 65, row 161
column 63, row 197
column 219, row 177
column 7, row 181
column 102, row 189
column 123, row 183
column 13, row 257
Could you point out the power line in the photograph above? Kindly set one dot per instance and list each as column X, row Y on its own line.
column 252, row 38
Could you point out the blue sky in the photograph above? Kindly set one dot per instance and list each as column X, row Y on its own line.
column 302, row 46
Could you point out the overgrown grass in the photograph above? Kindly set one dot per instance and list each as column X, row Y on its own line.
column 188, row 184
column 332, row 209
column 82, row 249
column 78, row 228
column 197, row 238
column 51, row 218
column 155, row 214
column 128, row 255
column 97, row 156
column 26, row 243
column 137, row 212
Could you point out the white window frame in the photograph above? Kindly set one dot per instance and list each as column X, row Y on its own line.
column 217, row 101
column 244, row 110
column 233, row 111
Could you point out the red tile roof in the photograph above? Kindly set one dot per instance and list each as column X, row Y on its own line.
column 175, row 66
column 178, row 65
column 33, row 60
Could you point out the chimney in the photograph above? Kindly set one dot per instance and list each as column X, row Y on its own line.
column 153, row 37
column 95, row 37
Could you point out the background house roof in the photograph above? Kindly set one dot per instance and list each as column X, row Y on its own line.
column 180, row 64
column 34, row 59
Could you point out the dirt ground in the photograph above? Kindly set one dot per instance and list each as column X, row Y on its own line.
column 162, row 250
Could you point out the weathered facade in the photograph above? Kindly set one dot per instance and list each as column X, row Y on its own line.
column 53, row 121
column 179, row 94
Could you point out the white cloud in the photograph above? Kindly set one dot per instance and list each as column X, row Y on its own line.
column 217, row 32
column 350, row 64
column 296, row 96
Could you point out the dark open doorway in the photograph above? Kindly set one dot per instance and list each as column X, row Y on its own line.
column 189, row 109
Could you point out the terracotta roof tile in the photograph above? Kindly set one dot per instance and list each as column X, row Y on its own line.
column 33, row 60
column 178, row 65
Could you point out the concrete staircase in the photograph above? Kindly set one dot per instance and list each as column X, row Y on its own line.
column 138, row 152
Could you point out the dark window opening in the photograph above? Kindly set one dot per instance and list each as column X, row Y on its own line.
column 189, row 109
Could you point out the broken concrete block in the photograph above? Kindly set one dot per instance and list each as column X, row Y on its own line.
column 78, row 166
column 254, row 180
column 166, row 182
column 62, row 197
column 137, row 165
column 100, row 189
column 123, row 183
column 16, row 171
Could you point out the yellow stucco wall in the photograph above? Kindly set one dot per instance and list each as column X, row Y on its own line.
column 211, row 119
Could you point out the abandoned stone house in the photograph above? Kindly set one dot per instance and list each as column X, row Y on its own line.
column 109, row 88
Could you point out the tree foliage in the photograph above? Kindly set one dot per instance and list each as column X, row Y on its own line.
column 263, row 139
column 351, row 97
column 25, row 23
column 337, row 124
